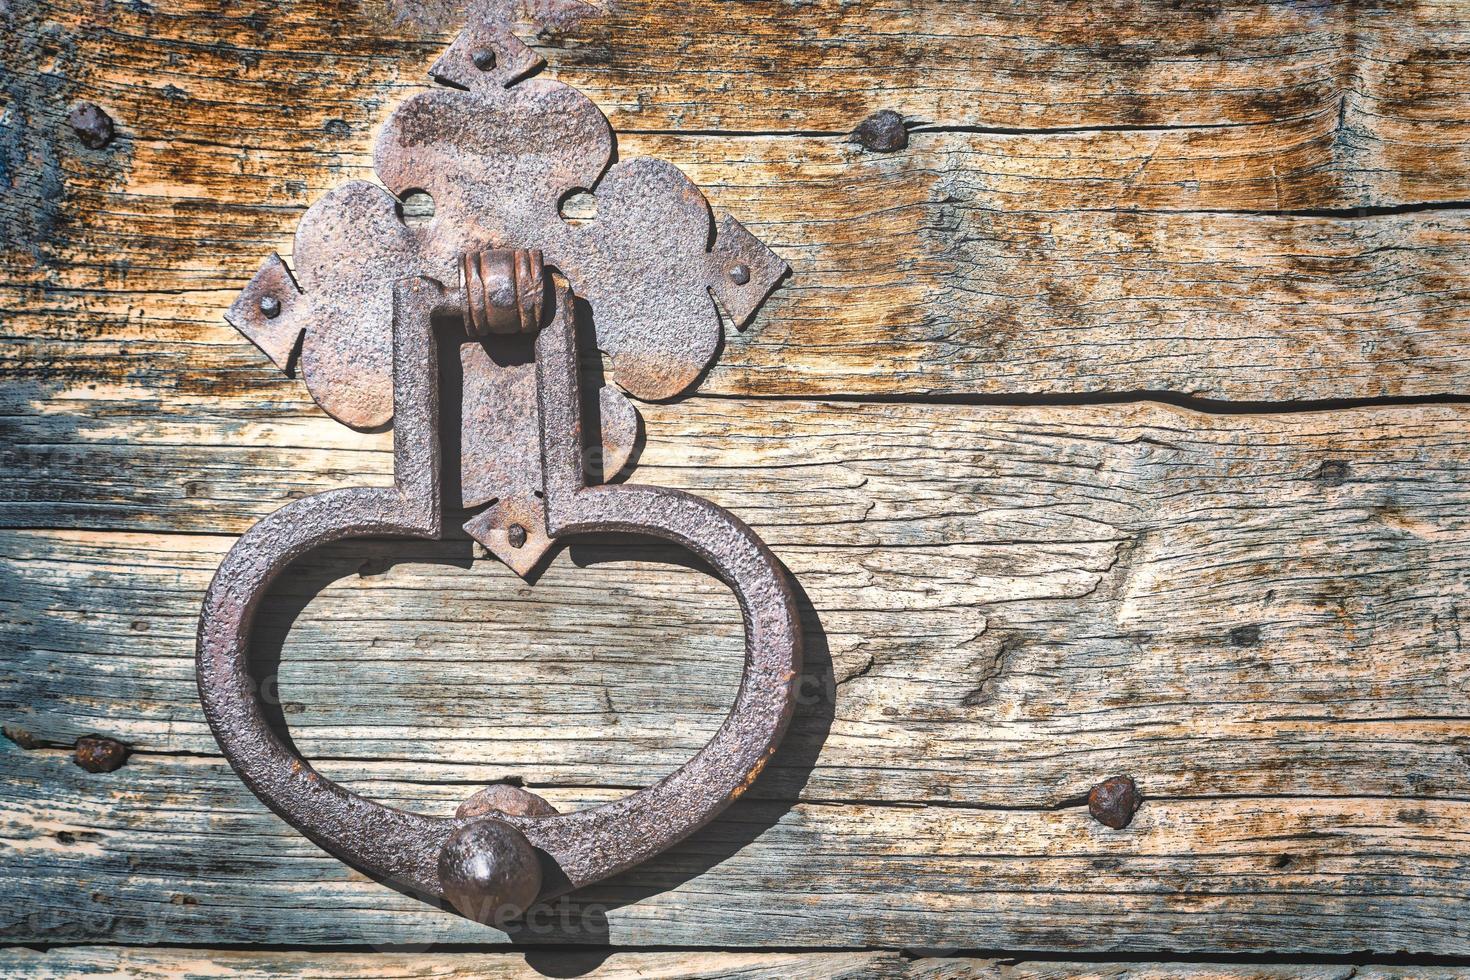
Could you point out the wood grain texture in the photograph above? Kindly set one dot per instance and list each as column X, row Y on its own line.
column 600, row 965
column 177, row 850
column 596, row 965
column 1217, row 250
column 1255, row 616
column 823, row 66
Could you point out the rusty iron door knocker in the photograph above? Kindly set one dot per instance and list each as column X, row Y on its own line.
column 498, row 151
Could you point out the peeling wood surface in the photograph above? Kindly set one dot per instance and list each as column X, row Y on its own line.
column 1254, row 615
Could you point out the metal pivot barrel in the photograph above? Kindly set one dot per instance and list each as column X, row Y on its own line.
column 504, row 290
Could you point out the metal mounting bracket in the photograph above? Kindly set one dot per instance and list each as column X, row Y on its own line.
column 498, row 151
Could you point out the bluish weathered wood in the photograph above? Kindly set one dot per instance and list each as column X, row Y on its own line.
column 1012, row 602
column 177, row 850
column 1257, row 617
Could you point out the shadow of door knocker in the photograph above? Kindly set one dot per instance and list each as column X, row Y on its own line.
column 498, row 151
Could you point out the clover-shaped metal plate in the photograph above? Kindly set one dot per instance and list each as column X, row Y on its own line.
column 498, row 151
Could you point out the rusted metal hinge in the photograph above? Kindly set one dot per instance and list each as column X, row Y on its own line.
column 497, row 151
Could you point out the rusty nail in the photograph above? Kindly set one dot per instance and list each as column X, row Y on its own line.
column 1333, row 472
column 1114, row 801
column 92, row 126
column 21, row 737
column 517, row 536
column 270, row 307
column 882, row 132
column 95, row 753
column 739, row 273
column 484, row 59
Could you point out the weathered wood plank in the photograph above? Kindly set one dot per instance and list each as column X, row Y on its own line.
column 915, row 289
column 174, row 964
column 171, row 964
column 177, row 850
column 1256, row 617
column 823, row 65
column 940, row 968
column 973, row 262
column 818, row 66
column 1013, row 604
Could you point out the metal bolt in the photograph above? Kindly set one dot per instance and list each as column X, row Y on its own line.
column 270, row 307
column 484, row 59
column 489, row 871
column 97, row 754
column 739, row 273
column 92, row 126
column 517, row 535
column 1114, row 801
column 882, row 132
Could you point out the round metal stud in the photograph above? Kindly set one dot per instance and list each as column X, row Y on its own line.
column 489, row 871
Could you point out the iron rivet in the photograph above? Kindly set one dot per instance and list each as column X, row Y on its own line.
column 517, row 535
column 1114, row 801
column 489, row 871
column 270, row 307
column 484, row 59
column 92, row 125
column 882, row 132
column 739, row 273
column 95, row 753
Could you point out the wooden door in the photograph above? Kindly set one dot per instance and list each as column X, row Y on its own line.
column 1113, row 425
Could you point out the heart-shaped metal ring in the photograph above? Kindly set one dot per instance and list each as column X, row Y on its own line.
column 494, row 866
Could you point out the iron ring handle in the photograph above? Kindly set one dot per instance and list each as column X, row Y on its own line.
column 492, row 867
